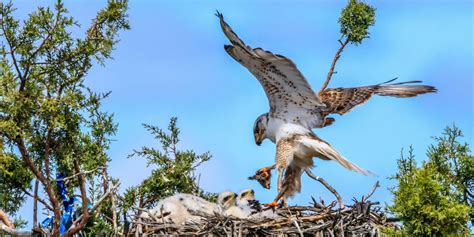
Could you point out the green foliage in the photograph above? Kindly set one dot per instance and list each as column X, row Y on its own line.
column 50, row 119
column 355, row 20
column 455, row 163
column 15, row 178
column 19, row 223
column 430, row 199
column 174, row 170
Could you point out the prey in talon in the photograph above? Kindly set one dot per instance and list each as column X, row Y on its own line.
column 263, row 176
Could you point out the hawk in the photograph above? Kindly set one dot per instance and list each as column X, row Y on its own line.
column 295, row 109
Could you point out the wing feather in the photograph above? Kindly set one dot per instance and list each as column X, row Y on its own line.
column 289, row 94
column 343, row 100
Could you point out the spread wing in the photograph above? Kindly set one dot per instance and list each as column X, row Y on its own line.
column 343, row 100
column 289, row 94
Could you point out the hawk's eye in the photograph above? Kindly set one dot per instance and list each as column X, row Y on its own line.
column 226, row 199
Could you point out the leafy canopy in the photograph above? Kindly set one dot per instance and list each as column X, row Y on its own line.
column 355, row 20
column 50, row 121
column 436, row 198
column 174, row 172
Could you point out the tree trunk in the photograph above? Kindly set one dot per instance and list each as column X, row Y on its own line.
column 35, row 204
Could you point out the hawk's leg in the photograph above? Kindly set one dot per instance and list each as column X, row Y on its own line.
column 278, row 198
column 284, row 155
column 280, row 178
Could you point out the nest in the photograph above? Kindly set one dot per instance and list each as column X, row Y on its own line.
column 362, row 218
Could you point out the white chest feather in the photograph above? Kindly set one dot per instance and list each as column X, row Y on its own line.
column 278, row 129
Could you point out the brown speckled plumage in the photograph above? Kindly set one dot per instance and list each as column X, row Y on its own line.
column 343, row 100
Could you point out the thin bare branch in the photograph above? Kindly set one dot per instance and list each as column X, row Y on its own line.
column 80, row 173
column 329, row 187
column 333, row 64
column 35, row 197
column 376, row 185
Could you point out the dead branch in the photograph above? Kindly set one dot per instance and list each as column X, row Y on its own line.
column 333, row 64
column 36, row 198
column 80, row 173
column 321, row 180
column 376, row 185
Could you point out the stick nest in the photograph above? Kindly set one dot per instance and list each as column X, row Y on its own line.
column 360, row 218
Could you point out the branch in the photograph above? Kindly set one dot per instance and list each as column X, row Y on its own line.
column 35, row 204
column 112, row 200
column 46, row 153
column 85, row 213
column 80, row 173
column 321, row 180
column 376, row 185
column 37, row 198
column 46, row 183
column 96, row 205
column 333, row 65
column 12, row 53
column 48, row 36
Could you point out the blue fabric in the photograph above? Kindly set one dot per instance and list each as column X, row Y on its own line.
column 68, row 208
column 68, row 204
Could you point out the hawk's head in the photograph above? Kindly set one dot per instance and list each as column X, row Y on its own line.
column 259, row 128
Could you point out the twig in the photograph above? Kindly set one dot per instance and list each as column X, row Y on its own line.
column 97, row 204
column 38, row 198
column 80, row 173
column 333, row 65
column 321, row 180
column 376, row 185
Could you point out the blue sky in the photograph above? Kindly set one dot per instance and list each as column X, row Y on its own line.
column 172, row 63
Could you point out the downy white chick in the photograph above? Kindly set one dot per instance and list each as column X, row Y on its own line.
column 246, row 201
column 180, row 208
column 196, row 204
column 227, row 201
column 251, row 207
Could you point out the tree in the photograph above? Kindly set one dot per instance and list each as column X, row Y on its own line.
column 174, row 172
column 436, row 198
column 355, row 20
column 51, row 122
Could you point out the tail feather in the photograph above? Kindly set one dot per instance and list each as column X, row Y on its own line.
column 327, row 152
column 402, row 90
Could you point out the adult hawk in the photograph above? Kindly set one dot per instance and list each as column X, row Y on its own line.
column 295, row 109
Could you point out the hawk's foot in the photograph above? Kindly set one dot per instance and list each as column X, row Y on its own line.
column 328, row 121
column 272, row 204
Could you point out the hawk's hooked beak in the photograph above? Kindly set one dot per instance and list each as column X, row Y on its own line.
column 258, row 138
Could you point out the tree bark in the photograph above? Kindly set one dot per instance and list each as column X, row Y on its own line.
column 35, row 204
column 85, row 211
column 333, row 64
column 45, row 182
column 112, row 199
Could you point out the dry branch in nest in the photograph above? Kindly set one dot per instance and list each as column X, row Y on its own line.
column 319, row 218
